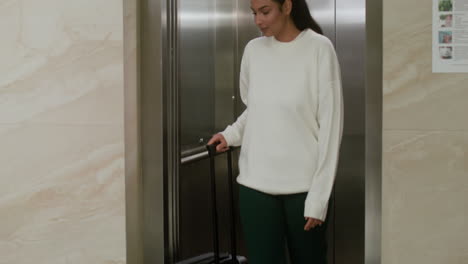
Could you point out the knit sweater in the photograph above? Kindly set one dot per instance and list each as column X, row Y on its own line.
column 291, row 129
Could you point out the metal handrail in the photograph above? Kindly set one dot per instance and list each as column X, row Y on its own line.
column 195, row 154
column 194, row 157
column 192, row 151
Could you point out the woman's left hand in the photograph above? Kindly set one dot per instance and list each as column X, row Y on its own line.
column 311, row 223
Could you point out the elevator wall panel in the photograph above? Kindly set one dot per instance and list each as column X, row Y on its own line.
column 323, row 11
column 196, row 35
column 225, row 67
column 350, row 182
column 208, row 63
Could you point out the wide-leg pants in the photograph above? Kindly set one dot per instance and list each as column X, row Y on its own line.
column 270, row 221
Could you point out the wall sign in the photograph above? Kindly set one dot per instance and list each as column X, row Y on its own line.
column 450, row 36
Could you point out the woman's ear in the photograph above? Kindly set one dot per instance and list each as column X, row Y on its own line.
column 287, row 7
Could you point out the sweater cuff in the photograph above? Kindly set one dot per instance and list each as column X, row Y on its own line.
column 316, row 210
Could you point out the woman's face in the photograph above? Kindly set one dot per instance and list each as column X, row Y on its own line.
column 447, row 39
column 448, row 20
column 269, row 18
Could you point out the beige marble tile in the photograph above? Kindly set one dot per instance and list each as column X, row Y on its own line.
column 414, row 97
column 61, row 132
column 131, row 73
column 5, row 129
column 62, row 194
column 425, row 196
column 62, row 62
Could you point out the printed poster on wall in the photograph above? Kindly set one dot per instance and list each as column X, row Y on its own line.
column 450, row 36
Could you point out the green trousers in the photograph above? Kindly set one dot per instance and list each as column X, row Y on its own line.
column 271, row 221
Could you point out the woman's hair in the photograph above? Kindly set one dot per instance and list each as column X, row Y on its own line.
column 301, row 17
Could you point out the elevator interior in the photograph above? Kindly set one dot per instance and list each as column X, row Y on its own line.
column 189, row 62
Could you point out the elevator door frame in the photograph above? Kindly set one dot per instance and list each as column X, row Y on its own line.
column 150, row 154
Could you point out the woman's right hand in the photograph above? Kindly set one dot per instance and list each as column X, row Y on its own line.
column 219, row 138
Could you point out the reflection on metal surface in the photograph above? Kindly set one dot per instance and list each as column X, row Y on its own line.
column 350, row 16
column 323, row 11
column 196, row 154
column 207, row 76
column 192, row 151
column 198, row 52
column 350, row 182
column 172, row 99
column 194, row 157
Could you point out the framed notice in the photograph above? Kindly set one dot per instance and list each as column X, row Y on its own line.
column 450, row 36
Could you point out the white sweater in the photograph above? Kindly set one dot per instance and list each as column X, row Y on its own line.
column 291, row 129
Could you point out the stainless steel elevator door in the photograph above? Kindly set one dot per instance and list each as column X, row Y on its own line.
column 207, row 75
column 350, row 181
column 196, row 69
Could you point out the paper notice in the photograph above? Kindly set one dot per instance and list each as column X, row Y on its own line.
column 450, row 36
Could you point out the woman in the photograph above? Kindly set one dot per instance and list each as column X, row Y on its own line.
column 290, row 134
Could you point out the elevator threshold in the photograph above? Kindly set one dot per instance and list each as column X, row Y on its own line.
column 208, row 258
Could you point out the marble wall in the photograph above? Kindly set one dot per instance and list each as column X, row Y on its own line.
column 425, row 145
column 61, row 132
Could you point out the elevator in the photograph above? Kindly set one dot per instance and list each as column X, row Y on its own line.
column 188, row 69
